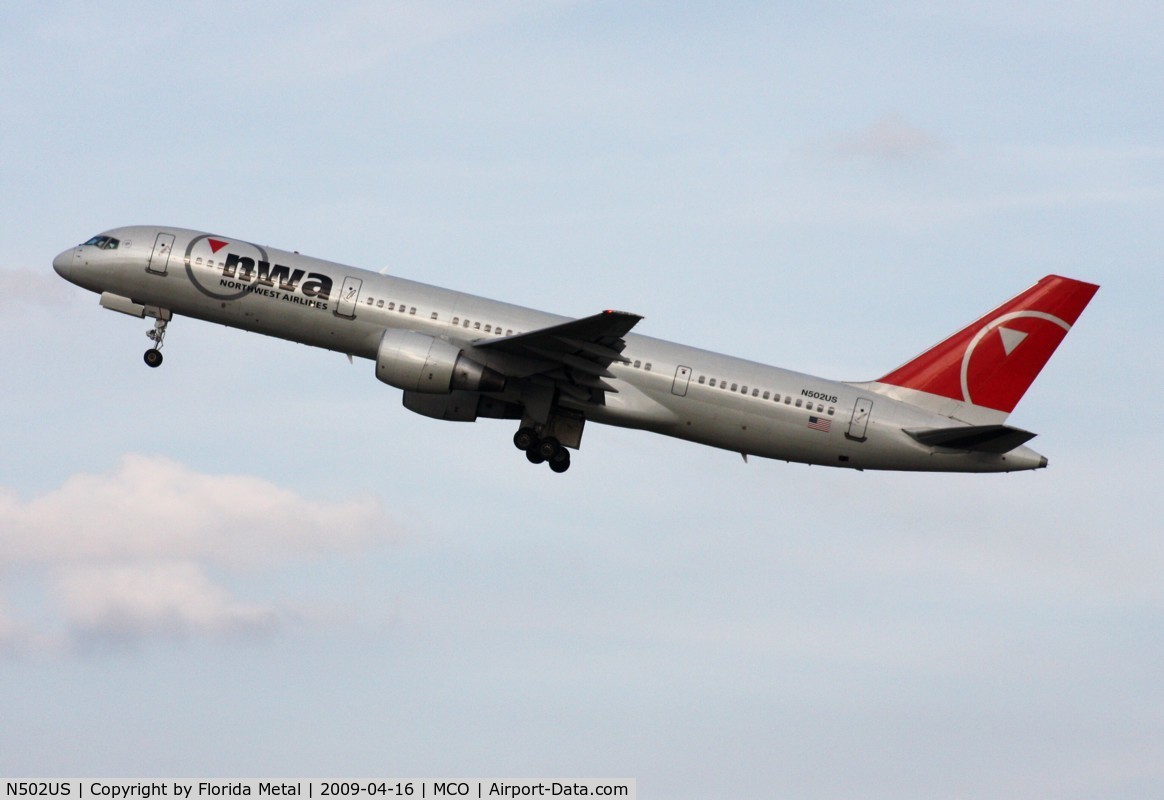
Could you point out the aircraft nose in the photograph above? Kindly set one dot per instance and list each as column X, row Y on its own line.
column 63, row 263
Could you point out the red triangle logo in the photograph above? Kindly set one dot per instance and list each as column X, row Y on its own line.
column 217, row 244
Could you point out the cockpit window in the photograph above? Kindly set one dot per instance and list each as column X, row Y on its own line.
column 104, row 242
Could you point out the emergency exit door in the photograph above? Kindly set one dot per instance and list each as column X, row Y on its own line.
column 860, row 420
column 160, row 257
column 349, row 294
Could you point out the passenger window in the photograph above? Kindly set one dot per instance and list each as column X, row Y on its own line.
column 765, row 395
column 638, row 364
column 456, row 320
column 799, row 402
column 434, row 315
column 788, row 400
column 412, row 311
column 733, row 387
column 743, row 390
column 477, row 326
column 198, row 261
column 712, row 383
column 756, row 393
column 701, row 380
column 488, row 328
column 831, row 411
column 466, row 323
column 379, row 304
column 819, row 408
column 648, row 366
column 509, row 331
column 392, row 306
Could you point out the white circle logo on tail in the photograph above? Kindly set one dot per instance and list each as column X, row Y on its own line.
column 1011, row 340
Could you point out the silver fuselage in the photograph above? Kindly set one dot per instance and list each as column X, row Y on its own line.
column 666, row 388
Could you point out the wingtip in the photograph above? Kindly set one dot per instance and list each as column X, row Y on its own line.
column 616, row 313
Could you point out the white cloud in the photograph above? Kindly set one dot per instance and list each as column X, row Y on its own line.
column 152, row 507
column 888, row 138
column 126, row 555
column 361, row 36
column 30, row 287
column 10, row 633
column 169, row 599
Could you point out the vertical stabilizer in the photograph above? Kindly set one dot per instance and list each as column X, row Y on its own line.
column 981, row 372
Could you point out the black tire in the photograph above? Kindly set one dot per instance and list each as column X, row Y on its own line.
column 534, row 456
column 561, row 460
column 548, row 447
column 153, row 357
column 525, row 438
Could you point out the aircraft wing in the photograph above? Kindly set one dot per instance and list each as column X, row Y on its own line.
column 574, row 356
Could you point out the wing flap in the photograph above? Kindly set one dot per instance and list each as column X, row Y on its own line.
column 577, row 354
column 597, row 350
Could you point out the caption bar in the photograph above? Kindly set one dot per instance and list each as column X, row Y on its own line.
column 311, row 790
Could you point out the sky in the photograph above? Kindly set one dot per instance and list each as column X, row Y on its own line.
column 254, row 563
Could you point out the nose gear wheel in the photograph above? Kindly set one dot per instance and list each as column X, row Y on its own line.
column 153, row 356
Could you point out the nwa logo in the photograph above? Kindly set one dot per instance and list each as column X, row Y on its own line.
column 238, row 275
column 242, row 272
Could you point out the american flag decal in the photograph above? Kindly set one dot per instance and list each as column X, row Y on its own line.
column 819, row 424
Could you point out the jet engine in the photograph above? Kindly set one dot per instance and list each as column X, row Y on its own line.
column 417, row 362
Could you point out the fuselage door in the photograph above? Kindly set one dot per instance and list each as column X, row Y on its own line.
column 349, row 295
column 682, row 378
column 160, row 257
column 860, row 420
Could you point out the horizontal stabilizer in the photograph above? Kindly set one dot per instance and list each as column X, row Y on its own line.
column 982, row 438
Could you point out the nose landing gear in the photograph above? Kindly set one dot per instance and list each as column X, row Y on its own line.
column 153, row 356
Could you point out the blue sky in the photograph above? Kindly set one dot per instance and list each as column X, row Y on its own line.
column 255, row 562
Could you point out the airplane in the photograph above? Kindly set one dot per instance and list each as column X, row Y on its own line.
column 459, row 357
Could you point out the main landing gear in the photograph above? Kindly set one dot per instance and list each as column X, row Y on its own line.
column 539, row 450
column 153, row 356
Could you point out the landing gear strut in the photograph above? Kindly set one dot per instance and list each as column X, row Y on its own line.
column 153, row 356
column 539, row 450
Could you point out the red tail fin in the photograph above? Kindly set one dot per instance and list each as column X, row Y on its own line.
column 993, row 361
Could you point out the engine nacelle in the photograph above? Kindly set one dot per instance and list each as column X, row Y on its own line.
column 417, row 362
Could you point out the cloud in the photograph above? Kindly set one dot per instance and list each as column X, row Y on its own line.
column 169, row 599
column 152, row 507
column 361, row 36
column 11, row 635
column 889, row 138
column 30, row 287
column 1039, row 537
column 129, row 555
